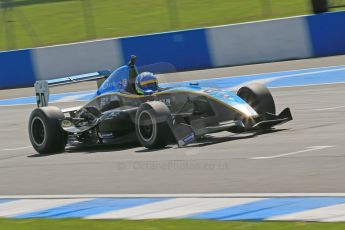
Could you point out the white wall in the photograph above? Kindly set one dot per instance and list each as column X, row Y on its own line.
column 262, row 41
column 77, row 58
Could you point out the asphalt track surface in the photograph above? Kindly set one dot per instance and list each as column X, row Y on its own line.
column 306, row 155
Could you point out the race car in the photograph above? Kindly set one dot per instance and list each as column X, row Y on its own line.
column 117, row 114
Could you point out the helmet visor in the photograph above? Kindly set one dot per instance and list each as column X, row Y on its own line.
column 152, row 85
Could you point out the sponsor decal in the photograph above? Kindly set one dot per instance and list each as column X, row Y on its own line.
column 106, row 135
column 124, row 83
column 209, row 91
column 115, row 114
column 189, row 138
column 226, row 96
column 108, row 84
column 166, row 101
column 114, row 98
column 104, row 100
column 66, row 123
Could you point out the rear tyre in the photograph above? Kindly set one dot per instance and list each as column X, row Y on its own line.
column 45, row 132
column 151, row 125
column 258, row 97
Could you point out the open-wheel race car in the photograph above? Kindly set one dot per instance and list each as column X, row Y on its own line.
column 118, row 114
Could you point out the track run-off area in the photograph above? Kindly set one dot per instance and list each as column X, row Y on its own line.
column 306, row 155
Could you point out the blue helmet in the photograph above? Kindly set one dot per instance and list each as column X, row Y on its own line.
column 146, row 83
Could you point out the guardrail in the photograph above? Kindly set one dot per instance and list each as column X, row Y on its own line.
column 228, row 45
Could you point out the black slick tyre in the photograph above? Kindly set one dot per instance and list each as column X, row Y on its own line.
column 258, row 97
column 152, row 125
column 45, row 132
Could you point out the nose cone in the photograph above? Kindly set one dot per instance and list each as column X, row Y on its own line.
column 246, row 109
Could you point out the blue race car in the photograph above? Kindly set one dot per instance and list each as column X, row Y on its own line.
column 118, row 114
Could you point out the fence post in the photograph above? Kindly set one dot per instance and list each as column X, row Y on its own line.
column 266, row 8
column 319, row 6
column 89, row 21
column 173, row 13
column 7, row 19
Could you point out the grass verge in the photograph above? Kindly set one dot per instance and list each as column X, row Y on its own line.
column 75, row 224
column 32, row 23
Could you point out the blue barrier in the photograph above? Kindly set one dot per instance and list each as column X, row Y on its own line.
column 259, row 42
column 327, row 33
column 186, row 50
column 16, row 69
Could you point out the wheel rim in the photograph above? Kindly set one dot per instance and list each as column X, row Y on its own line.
column 38, row 131
column 146, row 126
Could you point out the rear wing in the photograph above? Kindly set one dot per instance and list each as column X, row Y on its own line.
column 42, row 86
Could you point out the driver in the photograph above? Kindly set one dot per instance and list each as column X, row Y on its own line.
column 146, row 83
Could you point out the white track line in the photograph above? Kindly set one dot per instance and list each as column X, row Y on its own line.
column 18, row 148
column 268, row 80
column 335, row 68
column 71, row 98
column 330, row 108
column 306, row 85
column 309, row 149
column 183, row 195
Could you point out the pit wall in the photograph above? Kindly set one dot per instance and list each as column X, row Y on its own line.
column 228, row 45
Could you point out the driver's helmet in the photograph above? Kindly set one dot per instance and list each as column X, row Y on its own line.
column 146, row 83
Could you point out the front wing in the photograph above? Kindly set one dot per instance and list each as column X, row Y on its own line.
column 185, row 134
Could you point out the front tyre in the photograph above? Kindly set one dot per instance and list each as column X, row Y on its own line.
column 45, row 132
column 258, row 97
column 152, row 125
